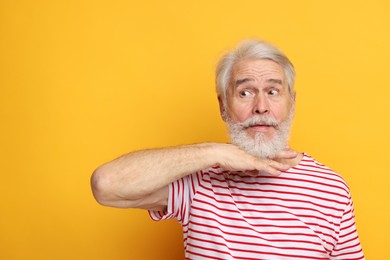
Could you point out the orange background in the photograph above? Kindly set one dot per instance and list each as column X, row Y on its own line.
column 82, row 82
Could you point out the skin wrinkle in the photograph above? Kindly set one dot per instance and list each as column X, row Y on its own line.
column 243, row 68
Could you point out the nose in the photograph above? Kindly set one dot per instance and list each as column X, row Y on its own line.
column 261, row 105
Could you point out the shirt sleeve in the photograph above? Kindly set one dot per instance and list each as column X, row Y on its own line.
column 180, row 194
column 348, row 244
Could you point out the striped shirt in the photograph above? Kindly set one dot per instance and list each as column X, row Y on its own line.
column 305, row 213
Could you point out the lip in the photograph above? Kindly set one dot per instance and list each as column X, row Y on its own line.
column 260, row 128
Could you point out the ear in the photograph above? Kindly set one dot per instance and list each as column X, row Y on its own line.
column 293, row 100
column 222, row 109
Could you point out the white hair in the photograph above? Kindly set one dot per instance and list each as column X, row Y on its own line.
column 251, row 50
column 259, row 146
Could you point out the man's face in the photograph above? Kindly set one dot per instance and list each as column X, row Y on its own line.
column 259, row 107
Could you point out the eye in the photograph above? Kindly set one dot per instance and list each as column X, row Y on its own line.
column 245, row 93
column 273, row 92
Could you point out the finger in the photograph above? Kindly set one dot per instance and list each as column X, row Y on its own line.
column 269, row 171
column 278, row 165
column 252, row 173
column 286, row 154
column 272, row 167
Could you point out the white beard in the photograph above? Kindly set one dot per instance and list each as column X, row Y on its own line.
column 259, row 146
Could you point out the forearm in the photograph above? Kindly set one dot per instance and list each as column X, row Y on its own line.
column 138, row 174
column 140, row 179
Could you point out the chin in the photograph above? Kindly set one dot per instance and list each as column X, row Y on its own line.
column 261, row 136
column 259, row 145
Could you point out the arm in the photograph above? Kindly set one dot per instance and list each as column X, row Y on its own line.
column 140, row 179
column 348, row 243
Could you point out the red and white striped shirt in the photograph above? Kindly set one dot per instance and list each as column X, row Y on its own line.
column 305, row 213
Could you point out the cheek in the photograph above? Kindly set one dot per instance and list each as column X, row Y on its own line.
column 282, row 112
column 239, row 112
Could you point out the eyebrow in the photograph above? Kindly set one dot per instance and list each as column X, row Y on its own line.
column 244, row 80
column 275, row 81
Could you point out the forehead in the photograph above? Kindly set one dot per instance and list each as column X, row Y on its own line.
column 257, row 69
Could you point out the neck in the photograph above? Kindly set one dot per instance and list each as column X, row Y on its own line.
column 293, row 161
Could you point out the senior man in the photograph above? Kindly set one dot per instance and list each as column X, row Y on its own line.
column 254, row 198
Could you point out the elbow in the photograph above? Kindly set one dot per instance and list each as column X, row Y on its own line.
column 111, row 189
column 101, row 186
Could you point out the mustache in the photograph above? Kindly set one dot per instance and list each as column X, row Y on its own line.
column 259, row 120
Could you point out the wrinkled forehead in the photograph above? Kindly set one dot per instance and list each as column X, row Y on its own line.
column 257, row 70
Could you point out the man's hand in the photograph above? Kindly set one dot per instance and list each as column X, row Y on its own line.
column 232, row 158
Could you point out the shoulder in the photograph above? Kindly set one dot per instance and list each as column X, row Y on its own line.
column 321, row 173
